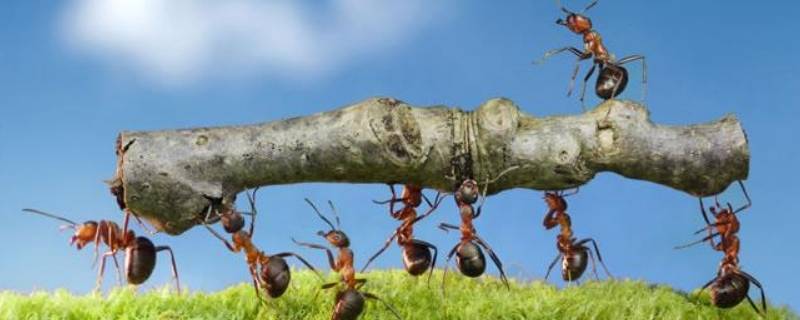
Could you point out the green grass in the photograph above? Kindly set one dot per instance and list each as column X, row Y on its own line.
column 484, row 298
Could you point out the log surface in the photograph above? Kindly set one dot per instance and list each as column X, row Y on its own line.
column 170, row 177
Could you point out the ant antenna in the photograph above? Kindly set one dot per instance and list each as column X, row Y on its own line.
column 320, row 214
column 335, row 214
column 558, row 3
column 71, row 224
column 589, row 6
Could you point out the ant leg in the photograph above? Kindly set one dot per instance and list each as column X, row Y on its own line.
column 552, row 264
column 446, row 226
column 757, row 284
column 328, row 285
column 292, row 254
column 119, row 271
column 385, row 245
column 360, row 283
column 101, row 226
column 572, row 193
column 703, row 211
column 594, row 264
column 388, row 306
column 447, row 264
column 486, row 188
column 252, row 200
column 436, row 201
column 707, row 238
column 227, row 244
column 435, row 254
column 256, row 283
column 644, row 70
column 749, row 203
column 174, row 266
column 101, row 270
column 553, row 52
column 596, row 250
column 583, row 88
column 495, row 259
column 331, row 261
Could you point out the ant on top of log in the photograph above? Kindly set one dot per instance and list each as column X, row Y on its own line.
column 269, row 272
column 140, row 253
column 574, row 255
column 349, row 301
column 416, row 253
column 613, row 77
column 731, row 284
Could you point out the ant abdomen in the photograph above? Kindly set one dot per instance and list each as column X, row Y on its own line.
column 140, row 260
column 611, row 81
column 277, row 275
column 416, row 258
column 574, row 265
column 729, row 290
column 349, row 305
column 470, row 259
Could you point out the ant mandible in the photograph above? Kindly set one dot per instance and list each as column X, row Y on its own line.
column 140, row 253
column 613, row 77
column 469, row 256
column 731, row 284
column 350, row 301
column 574, row 255
column 416, row 253
column 269, row 272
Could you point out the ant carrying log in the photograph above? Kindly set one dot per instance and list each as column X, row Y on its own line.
column 416, row 253
column 613, row 77
column 140, row 253
column 349, row 302
column 269, row 272
column 469, row 256
column 731, row 284
column 574, row 255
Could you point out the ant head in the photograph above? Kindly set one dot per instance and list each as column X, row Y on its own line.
column 576, row 23
column 412, row 195
column 232, row 221
column 336, row 238
column 555, row 201
column 468, row 192
column 84, row 233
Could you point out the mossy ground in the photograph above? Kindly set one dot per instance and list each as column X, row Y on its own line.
column 464, row 298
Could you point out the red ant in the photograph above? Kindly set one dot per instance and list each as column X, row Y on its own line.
column 269, row 272
column 140, row 253
column 731, row 284
column 574, row 255
column 350, row 301
column 469, row 256
column 416, row 253
column 613, row 77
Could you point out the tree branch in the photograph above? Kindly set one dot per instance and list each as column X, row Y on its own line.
column 171, row 177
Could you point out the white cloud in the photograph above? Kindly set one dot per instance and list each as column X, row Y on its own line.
column 177, row 42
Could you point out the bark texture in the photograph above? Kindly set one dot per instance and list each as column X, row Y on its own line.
column 171, row 177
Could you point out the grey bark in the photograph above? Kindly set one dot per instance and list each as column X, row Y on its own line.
column 168, row 177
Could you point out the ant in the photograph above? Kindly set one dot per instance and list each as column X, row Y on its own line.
column 350, row 301
column 731, row 284
column 416, row 253
column 469, row 256
column 612, row 77
column 269, row 272
column 574, row 255
column 140, row 253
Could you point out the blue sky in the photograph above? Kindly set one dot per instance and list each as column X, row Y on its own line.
column 75, row 73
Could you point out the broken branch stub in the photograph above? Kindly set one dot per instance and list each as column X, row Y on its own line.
column 171, row 177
